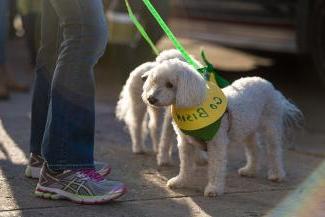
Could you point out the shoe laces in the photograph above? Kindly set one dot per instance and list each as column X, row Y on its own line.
column 91, row 174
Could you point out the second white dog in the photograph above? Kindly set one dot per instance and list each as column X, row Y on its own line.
column 140, row 117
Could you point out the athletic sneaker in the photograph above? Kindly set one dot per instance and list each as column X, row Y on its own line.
column 35, row 164
column 84, row 186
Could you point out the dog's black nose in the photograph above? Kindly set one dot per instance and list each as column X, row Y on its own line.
column 152, row 100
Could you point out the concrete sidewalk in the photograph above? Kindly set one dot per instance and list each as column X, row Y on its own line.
column 302, row 194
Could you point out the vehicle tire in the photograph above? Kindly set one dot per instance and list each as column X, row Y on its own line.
column 318, row 38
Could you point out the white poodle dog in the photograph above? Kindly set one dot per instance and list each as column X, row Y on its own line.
column 131, row 109
column 256, row 112
column 133, row 112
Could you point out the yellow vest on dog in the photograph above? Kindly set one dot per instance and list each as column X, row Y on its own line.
column 202, row 122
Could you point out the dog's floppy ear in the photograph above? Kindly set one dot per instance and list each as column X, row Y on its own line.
column 143, row 70
column 191, row 87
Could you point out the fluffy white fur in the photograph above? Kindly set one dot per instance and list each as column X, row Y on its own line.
column 131, row 109
column 257, row 113
column 133, row 112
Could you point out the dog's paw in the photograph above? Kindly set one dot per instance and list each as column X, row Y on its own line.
column 175, row 182
column 164, row 161
column 246, row 171
column 276, row 176
column 213, row 191
column 138, row 150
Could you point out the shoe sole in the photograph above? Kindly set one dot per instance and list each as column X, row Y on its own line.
column 57, row 194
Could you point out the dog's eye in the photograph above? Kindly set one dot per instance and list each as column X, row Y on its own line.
column 169, row 85
column 144, row 77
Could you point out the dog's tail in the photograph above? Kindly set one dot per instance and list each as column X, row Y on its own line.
column 122, row 105
column 293, row 120
column 134, row 82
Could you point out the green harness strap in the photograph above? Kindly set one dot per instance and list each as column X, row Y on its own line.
column 211, row 69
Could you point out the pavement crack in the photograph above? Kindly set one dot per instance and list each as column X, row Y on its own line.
column 37, row 208
column 312, row 154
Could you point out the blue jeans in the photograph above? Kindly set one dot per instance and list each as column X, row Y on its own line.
column 74, row 37
column 4, row 19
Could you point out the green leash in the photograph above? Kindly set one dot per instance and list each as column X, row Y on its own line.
column 207, row 131
column 204, row 71
column 170, row 34
column 141, row 29
column 164, row 26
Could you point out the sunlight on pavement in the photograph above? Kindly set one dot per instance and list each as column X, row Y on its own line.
column 10, row 202
column 307, row 200
column 3, row 154
column 195, row 209
column 9, row 149
column 184, row 200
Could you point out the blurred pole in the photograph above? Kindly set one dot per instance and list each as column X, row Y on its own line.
column 4, row 20
column 12, row 15
column 30, row 11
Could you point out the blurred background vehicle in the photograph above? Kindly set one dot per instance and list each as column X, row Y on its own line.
column 286, row 26
column 279, row 26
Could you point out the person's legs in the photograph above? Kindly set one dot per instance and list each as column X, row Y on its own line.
column 45, row 66
column 7, row 81
column 69, row 133
column 29, row 24
column 12, row 14
column 4, row 19
column 46, row 62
